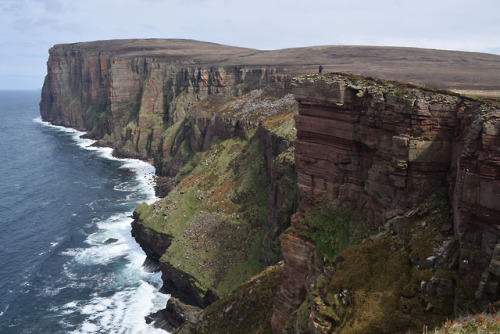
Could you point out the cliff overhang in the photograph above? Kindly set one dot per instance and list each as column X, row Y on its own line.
column 381, row 148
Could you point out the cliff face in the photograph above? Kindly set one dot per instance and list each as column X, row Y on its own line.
column 219, row 136
column 219, row 127
column 381, row 148
column 370, row 149
column 232, row 200
column 76, row 90
column 128, row 101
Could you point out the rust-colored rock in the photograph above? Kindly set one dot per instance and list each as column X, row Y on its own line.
column 127, row 99
column 376, row 151
column 381, row 146
column 299, row 273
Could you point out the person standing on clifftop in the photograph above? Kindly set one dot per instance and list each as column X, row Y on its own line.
column 320, row 70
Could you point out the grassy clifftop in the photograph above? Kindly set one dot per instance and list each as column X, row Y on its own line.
column 229, row 201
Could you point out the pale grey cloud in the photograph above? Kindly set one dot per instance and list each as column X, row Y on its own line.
column 55, row 6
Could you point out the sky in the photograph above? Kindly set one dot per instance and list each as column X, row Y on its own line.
column 30, row 27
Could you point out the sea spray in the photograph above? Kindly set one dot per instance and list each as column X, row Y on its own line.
column 130, row 293
column 69, row 262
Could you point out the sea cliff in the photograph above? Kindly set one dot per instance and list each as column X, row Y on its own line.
column 219, row 136
column 381, row 197
column 405, row 158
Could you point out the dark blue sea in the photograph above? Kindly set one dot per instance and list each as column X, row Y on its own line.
column 61, row 202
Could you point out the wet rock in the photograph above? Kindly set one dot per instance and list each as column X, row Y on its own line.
column 174, row 315
column 150, row 265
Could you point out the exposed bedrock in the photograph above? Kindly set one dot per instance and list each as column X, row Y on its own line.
column 153, row 243
column 299, row 273
column 128, row 100
column 380, row 146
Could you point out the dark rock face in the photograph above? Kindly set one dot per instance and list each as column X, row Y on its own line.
column 282, row 201
column 379, row 147
column 153, row 243
column 173, row 316
column 184, row 286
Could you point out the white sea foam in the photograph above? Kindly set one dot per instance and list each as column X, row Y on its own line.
column 136, row 290
column 101, row 254
column 72, row 251
column 131, row 292
column 123, row 312
column 70, row 305
column 145, row 172
column 124, row 186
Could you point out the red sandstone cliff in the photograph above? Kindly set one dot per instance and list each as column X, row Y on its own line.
column 128, row 97
column 382, row 146
column 378, row 147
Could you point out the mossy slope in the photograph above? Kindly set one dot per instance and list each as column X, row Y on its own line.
column 247, row 309
column 232, row 199
column 389, row 283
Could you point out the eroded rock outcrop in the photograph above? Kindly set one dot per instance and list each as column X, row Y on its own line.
column 126, row 97
column 299, row 273
column 380, row 147
column 230, row 205
column 154, row 243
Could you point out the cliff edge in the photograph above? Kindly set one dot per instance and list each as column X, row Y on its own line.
column 420, row 166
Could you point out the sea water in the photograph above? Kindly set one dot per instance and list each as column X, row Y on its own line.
column 62, row 204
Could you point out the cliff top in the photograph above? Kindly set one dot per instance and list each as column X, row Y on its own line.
column 465, row 72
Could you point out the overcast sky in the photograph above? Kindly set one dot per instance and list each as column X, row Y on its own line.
column 30, row 27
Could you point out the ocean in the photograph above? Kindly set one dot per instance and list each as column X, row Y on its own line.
column 68, row 263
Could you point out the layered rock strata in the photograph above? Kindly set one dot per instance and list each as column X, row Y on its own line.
column 381, row 146
column 127, row 101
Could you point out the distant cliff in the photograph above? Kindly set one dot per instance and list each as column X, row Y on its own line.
column 127, row 101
